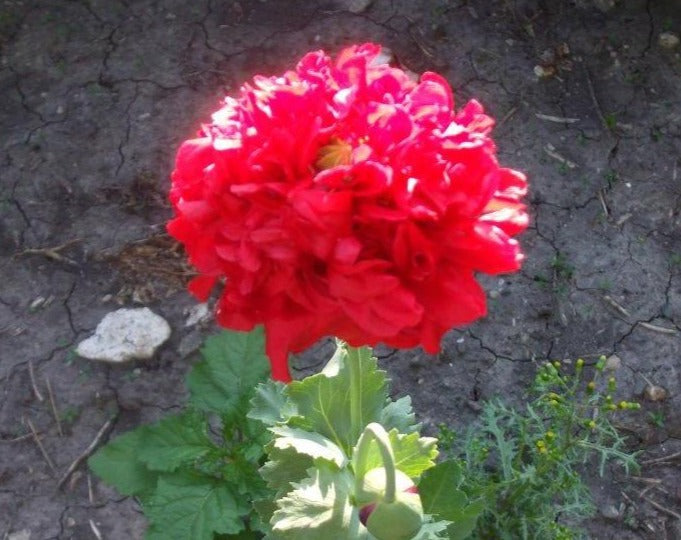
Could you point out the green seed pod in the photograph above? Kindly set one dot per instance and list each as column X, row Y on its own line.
column 399, row 520
column 373, row 485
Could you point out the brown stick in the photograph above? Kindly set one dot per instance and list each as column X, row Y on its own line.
column 597, row 105
column 51, row 252
column 31, row 374
column 17, row 439
column 90, row 494
column 656, row 328
column 40, row 445
column 86, row 453
column 53, row 405
column 661, row 459
column 95, row 530
column 663, row 508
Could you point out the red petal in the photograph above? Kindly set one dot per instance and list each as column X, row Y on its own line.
column 201, row 286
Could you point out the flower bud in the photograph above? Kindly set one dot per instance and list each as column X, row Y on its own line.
column 399, row 520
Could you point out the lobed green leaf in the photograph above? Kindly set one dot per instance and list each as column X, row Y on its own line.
column 322, row 401
column 225, row 380
column 441, row 498
column 186, row 505
column 117, row 464
column 318, row 508
column 174, row 441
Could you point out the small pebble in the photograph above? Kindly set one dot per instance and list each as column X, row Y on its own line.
column 668, row 40
column 358, row 6
column 544, row 72
column 37, row 303
column 613, row 362
column 610, row 511
column 654, row 393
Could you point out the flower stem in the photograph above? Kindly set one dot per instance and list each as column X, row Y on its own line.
column 378, row 433
column 355, row 368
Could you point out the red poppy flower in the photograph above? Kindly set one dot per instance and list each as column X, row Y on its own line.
column 343, row 198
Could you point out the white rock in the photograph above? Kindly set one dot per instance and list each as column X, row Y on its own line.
column 198, row 314
column 126, row 334
column 20, row 535
column 668, row 40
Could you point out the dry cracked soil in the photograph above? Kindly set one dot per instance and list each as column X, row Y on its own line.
column 96, row 95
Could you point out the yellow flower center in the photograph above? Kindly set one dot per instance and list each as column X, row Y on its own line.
column 337, row 152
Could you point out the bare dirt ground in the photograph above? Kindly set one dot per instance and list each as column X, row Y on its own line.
column 95, row 97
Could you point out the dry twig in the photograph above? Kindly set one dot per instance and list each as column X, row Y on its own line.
column 597, row 105
column 614, row 304
column 662, row 459
column 90, row 493
column 95, row 530
column 661, row 508
column 551, row 151
column 53, row 405
column 507, row 116
column 557, row 119
column 52, row 252
column 601, row 198
column 17, row 439
column 656, row 328
column 624, row 218
column 40, row 445
column 31, row 374
column 86, row 453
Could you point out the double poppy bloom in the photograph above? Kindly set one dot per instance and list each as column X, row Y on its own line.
column 344, row 198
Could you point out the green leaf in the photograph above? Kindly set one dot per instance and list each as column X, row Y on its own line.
column 189, row 506
column 319, row 509
column 225, row 380
column 399, row 415
column 413, row 454
column 432, row 530
column 117, row 464
column 270, row 404
column 243, row 535
column 311, row 444
column 323, row 400
column 285, row 467
column 242, row 474
column 441, row 497
column 173, row 441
